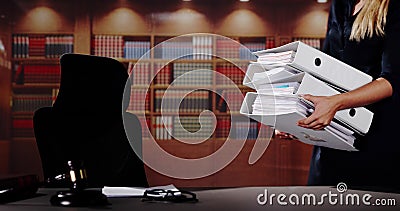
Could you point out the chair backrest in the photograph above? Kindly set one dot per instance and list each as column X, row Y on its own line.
column 86, row 123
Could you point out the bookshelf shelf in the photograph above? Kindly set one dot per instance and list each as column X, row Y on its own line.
column 140, row 87
column 36, row 60
column 241, row 87
column 138, row 112
column 183, row 87
column 186, row 141
column 232, row 60
column 22, row 113
column 175, row 114
column 236, row 113
column 123, row 60
column 35, row 86
column 183, row 60
column 29, row 139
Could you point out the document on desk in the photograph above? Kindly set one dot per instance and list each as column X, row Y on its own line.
column 132, row 191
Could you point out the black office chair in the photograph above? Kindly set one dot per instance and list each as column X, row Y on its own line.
column 85, row 124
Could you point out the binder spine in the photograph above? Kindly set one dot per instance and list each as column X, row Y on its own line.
column 328, row 68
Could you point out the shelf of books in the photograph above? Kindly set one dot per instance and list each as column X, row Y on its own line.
column 187, row 67
column 201, row 73
column 35, row 76
column 121, row 47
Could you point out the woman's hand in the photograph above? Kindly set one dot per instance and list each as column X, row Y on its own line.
column 324, row 111
column 326, row 107
column 283, row 135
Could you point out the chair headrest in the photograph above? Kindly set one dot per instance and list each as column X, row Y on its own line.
column 91, row 85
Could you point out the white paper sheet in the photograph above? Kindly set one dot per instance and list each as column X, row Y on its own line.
column 132, row 191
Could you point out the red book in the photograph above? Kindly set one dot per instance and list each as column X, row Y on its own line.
column 37, row 46
column 22, row 123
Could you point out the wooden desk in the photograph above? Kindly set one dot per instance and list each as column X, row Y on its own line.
column 236, row 199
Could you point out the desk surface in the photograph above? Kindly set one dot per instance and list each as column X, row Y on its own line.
column 269, row 198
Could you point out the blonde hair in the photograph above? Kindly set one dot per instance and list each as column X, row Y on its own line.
column 371, row 20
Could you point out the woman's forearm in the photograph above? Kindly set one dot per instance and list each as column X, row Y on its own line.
column 365, row 95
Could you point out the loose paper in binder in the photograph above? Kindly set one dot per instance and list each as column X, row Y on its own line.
column 283, row 112
column 308, row 59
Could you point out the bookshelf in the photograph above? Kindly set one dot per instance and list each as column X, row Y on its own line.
column 200, row 56
column 171, row 59
column 35, row 76
column 34, row 82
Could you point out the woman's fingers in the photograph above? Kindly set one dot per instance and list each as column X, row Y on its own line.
column 312, row 123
